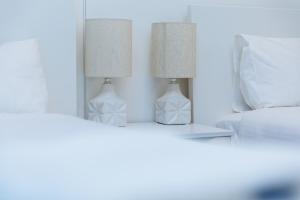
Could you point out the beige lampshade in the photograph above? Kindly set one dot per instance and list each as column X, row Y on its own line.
column 174, row 50
column 108, row 50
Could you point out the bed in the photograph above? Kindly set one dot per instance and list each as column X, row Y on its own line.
column 213, row 88
column 216, row 90
column 50, row 156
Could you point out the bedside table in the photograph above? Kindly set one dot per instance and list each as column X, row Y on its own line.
column 197, row 132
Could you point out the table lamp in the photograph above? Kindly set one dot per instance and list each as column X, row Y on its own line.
column 108, row 54
column 173, row 57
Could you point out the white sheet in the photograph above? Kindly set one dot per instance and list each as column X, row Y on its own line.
column 59, row 157
column 273, row 124
column 280, row 125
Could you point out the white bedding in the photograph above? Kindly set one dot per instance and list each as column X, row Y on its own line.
column 269, row 71
column 231, row 122
column 58, row 157
column 280, row 125
column 273, row 124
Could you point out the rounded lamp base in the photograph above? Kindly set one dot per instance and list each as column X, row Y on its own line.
column 107, row 107
column 173, row 107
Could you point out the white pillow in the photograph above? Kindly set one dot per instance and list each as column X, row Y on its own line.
column 270, row 72
column 22, row 81
column 239, row 104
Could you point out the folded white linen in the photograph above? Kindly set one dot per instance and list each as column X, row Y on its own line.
column 271, row 124
column 59, row 157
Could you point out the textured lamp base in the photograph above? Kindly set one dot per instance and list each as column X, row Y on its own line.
column 173, row 107
column 107, row 107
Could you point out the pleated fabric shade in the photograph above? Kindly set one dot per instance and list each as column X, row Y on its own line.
column 174, row 50
column 108, row 50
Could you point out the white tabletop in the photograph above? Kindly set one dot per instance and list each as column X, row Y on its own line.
column 187, row 131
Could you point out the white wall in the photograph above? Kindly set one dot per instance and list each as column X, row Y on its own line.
column 141, row 90
column 261, row 3
column 53, row 22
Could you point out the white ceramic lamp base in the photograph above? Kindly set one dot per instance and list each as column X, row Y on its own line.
column 107, row 107
column 173, row 107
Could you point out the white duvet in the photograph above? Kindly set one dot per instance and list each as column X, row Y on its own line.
column 271, row 124
column 55, row 157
